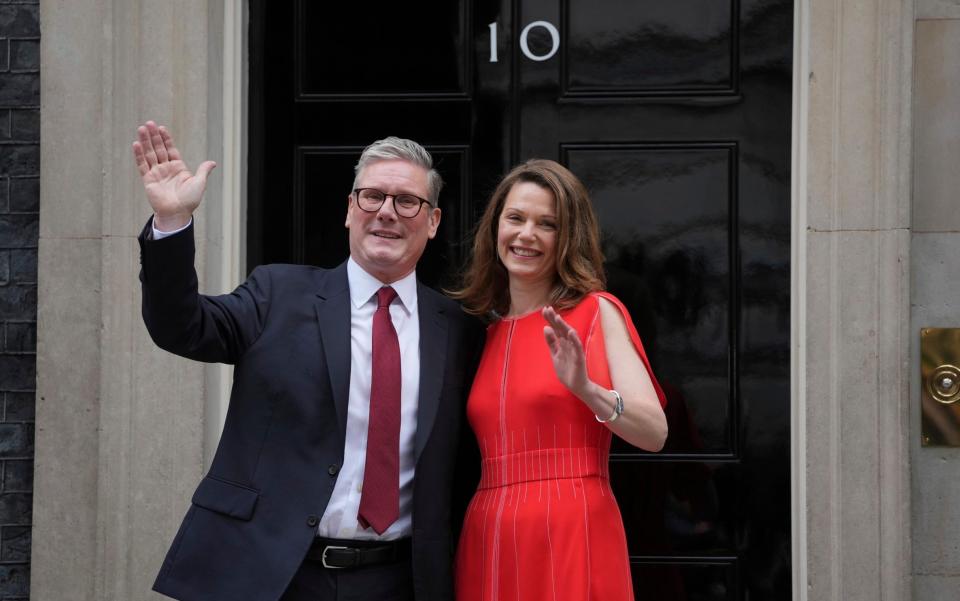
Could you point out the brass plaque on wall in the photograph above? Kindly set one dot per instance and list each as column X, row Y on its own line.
column 940, row 386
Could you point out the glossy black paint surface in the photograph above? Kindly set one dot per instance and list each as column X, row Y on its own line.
column 649, row 47
column 677, row 117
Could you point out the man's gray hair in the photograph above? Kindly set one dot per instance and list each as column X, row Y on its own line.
column 392, row 148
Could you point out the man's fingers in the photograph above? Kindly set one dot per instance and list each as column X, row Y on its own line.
column 204, row 170
column 172, row 151
column 141, row 160
column 157, row 140
column 143, row 137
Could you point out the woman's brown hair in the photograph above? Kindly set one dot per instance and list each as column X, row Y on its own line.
column 485, row 287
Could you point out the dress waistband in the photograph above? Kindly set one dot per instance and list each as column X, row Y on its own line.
column 543, row 464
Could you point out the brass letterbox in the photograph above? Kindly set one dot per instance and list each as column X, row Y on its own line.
column 940, row 386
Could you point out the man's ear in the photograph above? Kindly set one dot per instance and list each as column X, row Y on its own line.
column 433, row 222
column 346, row 223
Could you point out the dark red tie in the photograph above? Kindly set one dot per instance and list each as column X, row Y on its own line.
column 380, row 499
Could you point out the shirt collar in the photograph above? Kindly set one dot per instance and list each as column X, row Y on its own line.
column 363, row 286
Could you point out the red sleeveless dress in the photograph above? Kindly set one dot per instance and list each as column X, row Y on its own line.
column 543, row 524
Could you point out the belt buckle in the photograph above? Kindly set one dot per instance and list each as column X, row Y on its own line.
column 323, row 557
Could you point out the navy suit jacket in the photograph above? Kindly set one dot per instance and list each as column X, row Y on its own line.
column 287, row 331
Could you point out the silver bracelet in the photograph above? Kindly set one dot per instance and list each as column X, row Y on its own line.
column 617, row 409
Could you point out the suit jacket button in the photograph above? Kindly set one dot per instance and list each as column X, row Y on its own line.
column 333, row 469
column 312, row 521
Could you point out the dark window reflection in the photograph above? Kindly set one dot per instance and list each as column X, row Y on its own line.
column 678, row 45
column 665, row 217
column 402, row 50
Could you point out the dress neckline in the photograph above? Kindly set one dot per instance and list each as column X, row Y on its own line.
column 523, row 315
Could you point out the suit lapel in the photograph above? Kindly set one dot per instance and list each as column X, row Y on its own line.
column 333, row 317
column 433, row 348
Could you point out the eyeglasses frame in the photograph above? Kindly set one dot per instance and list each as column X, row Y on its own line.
column 392, row 197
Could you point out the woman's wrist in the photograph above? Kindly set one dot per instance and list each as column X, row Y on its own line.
column 617, row 409
column 597, row 398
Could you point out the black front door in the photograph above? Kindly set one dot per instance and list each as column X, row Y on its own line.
column 677, row 117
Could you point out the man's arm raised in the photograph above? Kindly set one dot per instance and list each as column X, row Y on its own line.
column 172, row 190
column 179, row 318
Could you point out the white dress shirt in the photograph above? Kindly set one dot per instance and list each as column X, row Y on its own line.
column 340, row 518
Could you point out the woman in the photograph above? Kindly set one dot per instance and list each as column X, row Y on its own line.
column 562, row 370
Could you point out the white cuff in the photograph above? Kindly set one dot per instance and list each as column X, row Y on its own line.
column 159, row 235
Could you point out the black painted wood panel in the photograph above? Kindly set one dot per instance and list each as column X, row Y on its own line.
column 677, row 117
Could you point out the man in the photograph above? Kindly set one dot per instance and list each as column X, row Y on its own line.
column 333, row 475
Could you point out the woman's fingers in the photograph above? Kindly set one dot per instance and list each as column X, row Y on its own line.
column 560, row 336
column 554, row 319
column 566, row 350
column 551, row 338
column 562, row 329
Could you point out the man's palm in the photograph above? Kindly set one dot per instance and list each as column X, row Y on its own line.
column 172, row 190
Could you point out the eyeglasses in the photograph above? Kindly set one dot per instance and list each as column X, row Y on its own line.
column 406, row 205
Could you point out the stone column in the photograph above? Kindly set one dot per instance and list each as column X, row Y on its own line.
column 851, row 300
column 120, row 424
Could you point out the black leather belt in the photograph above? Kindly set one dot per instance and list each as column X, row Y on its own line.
column 335, row 553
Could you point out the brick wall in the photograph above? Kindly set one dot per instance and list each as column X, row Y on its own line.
column 19, row 213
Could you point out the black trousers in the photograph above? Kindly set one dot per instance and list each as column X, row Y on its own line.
column 384, row 582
